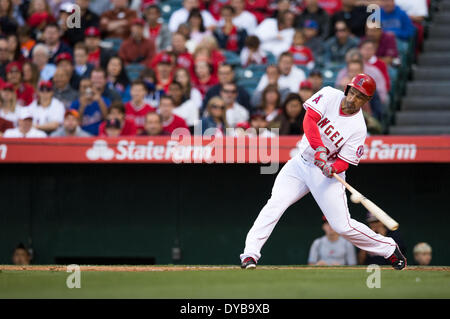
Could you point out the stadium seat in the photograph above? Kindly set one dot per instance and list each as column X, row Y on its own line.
column 134, row 70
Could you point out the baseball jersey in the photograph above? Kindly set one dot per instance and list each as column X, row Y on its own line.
column 52, row 113
column 138, row 114
column 343, row 135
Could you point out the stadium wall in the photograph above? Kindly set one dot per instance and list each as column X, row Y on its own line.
column 139, row 210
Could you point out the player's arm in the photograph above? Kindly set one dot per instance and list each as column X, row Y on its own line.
column 313, row 135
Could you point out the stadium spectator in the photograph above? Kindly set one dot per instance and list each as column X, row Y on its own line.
column 65, row 61
column 99, row 84
column 26, row 41
column 368, row 50
column 259, row 126
column 396, row 20
column 385, row 43
column 182, row 76
column 40, row 57
column 252, row 52
column 314, row 12
column 259, row 8
column 306, row 90
column 270, row 102
column 209, row 50
column 115, row 23
column 52, row 40
column 422, row 254
column 21, row 256
column 97, row 56
column 313, row 41
column 331, row 6
column 48, row 111
column 215, row 120
column 290, row 75
column 15, row 48
column 336, row 47
column 71, row 126
column 38, row 16
column 245, row 19
column 273, row 76
column 302, row 54
column 136, row 48
column 81, row 66
column 316, row 79
column 30, row 73
column 417, row 11
column 155, row 29
column 24, row 126
column 117, row 79
column 5, row 57
column 87, row 19
column 290, row 120
column 171, row 122
column 116, row 123
column 235, row 113
column 354, row 15
column 226, row 75
column 276, row 34
column 8, row 23
column 331, row 249
column 24, row 91
column 181, row 16
column 148, row 76
column 153, row 125
column 91, row 106
column 138, row 107
column 62, row 89
column 184, row 108
column 365, row 258
column 164, row 72
column 196, row 27
column 229, row 36
column 204, row 77
column 9, row 110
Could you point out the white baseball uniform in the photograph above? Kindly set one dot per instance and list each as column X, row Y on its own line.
column 343, row 135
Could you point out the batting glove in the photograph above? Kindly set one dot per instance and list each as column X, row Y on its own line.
column 328, row 170
column 320, row 157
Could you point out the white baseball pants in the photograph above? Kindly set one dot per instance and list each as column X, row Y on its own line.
column 295, row 180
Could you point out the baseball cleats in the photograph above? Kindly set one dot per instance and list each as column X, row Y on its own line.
column 398, row 261
column 248, row 263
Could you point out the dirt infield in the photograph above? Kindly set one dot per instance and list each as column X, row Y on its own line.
column 195, row 268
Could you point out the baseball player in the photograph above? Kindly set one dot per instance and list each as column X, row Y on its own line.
column 334, row 137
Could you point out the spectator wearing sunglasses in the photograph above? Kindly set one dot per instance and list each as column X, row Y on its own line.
column 215, row 120
column 235, row 112
column 336, row 47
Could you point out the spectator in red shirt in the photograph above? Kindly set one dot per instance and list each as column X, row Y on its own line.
column 116, row 119
column 330, row 6
column 208, row 50
column 5, row 125
column 137, row 108
column 259, row 8
column 229, row 36
column 97, row 56
column 115, row 23
column 204, row 79
column 137, row 49
column 24, row 91
column 170, row 121
column 385, row 42
column 302, row 54
column 368, row 50
column 155, row 29
column 164, row 72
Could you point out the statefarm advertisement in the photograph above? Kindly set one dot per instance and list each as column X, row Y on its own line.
column 193, row 149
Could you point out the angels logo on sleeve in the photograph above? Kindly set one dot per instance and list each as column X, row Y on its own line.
column 360, row 151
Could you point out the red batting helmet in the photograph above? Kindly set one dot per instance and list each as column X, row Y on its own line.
column 364, row 84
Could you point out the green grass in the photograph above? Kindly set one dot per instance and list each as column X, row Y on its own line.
column 232, row 283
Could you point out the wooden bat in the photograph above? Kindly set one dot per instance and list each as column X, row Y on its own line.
column 380, row 214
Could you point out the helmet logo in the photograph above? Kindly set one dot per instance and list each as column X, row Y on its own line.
column 360, row 82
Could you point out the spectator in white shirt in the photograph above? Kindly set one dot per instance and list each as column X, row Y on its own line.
column 25, row 126
column 276, row 34
column 184, row 108
column 242, row 18
column 417, row 10
column 290, row 75
column 48, row 111
column 180, row 16
column 235, row 113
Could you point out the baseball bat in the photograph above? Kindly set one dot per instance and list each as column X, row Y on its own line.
column 380, row 214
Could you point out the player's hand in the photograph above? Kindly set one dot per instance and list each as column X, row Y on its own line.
column 328, row 170
column 320, row 157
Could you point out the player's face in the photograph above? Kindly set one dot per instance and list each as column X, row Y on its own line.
column 354, row 101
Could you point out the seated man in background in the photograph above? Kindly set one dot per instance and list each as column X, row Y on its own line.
column 385, row 44
column 331, row 249
column 153, row 125
column 62, row 89
column 137, row 48
column 21, row 256
column 71, row 126
column 336, row 47
column 24, row 126
column 170, row 121
column 422, row 254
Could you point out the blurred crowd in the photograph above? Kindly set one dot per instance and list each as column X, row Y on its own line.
column 148, row 67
